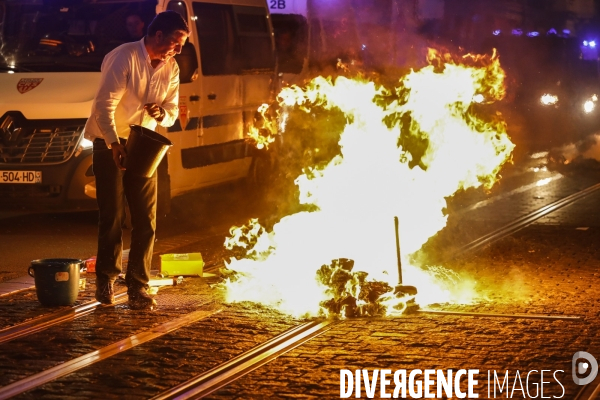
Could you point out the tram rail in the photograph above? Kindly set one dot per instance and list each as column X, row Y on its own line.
column 46, row 321
column 206, row 383
column 210, row 381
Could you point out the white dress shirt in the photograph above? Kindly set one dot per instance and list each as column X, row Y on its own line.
column 129, row 81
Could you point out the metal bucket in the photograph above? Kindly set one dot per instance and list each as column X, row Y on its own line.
column 56, row 280
column 145, row 150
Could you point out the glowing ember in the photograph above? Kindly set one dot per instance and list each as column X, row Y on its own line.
column 478, row 98
column 402, row 152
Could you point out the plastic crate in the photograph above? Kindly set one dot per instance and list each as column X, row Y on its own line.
column 185, row 264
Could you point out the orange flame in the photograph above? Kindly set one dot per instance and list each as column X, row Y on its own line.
column 264, row 129
column 403, row 151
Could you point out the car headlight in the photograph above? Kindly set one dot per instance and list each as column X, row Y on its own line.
column 84, row 144
column 548, row 99
column 590, row 104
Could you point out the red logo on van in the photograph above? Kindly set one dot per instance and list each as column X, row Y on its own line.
column 27, row 84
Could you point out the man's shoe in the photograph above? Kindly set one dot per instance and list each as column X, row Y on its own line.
column 139, row 299
column 105, row 293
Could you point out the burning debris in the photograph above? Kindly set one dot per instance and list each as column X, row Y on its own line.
column 400, row 151
column 352, row 295
column 249, row 241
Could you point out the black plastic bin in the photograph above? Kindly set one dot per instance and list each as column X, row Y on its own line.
column 56, row 280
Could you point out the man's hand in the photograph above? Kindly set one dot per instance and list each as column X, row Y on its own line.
column 155, row 111
column 119, row 154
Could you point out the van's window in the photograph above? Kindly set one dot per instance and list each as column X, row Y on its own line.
column 291, row 41
column 233, row 39
column 64, row 35
column 217, row 40
column 178, row 6
column 256, row 44
column 188, row 63
column 187, row 59
column 251, row 23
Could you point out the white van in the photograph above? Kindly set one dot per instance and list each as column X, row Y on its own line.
column 50, row 57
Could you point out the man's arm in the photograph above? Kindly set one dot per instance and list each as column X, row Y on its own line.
column 113, row 82
column 171, row 103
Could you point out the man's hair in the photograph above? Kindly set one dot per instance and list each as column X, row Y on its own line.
column 167, row 22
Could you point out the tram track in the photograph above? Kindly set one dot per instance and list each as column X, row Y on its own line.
column 522, row 222
column 204, row 384
column 78, row 363
column 225, row 373
column 46, row 321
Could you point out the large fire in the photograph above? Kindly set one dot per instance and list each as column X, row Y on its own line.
column 378, row 175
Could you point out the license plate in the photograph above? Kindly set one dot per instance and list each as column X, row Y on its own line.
column 20, row 176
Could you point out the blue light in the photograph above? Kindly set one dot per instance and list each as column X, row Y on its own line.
column 566, row 32
column 533, row 34
column 551, row 32
column 364, row 46
column 593, row 44
column 496, row 32
column 517, row 32
column 585, row 43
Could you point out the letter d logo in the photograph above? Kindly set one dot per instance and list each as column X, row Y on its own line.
column 583, row 367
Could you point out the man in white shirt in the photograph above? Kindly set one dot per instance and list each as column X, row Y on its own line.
column 139, row 85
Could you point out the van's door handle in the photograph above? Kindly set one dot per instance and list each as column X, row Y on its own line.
column 212, row 96
column 194, row 97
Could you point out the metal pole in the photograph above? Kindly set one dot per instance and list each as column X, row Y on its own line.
column 398, row 251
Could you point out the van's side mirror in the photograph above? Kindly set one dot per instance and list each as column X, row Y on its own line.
column 188, row 63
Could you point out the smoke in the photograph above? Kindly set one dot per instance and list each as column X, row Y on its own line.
column 586, row 149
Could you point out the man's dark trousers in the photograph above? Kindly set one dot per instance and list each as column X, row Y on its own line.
column 114, row 189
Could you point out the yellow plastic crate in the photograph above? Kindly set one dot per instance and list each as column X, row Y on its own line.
column 183, row 264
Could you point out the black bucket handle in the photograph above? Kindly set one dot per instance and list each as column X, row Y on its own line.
column 54, row 261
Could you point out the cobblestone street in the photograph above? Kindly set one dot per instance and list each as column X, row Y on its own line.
column 541, row 270
column 550, row 267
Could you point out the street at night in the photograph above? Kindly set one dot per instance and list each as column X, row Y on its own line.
column 526, row 283
column 299, row 199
